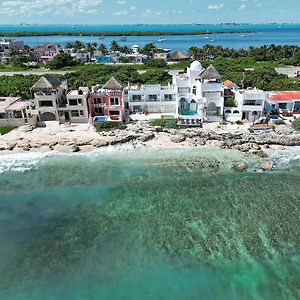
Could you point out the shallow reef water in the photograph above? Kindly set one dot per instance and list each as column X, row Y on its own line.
column 176, row 224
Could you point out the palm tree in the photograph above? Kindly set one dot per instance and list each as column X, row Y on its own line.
column 114, row 46
column 103, row 49
column 90, row 48
column 78, row 45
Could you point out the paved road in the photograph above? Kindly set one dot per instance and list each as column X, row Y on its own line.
column 34, row 73
column 171, row 72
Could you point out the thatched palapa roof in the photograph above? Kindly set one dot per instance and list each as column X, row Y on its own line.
column 113, row 84
column 46, row 82
column 210, row 73
column 178, row 55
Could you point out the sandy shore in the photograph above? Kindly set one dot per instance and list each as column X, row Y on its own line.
column 84, row 138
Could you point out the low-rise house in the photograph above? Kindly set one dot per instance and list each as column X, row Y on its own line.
column 106, row 102
column 154, row 101
column 249, row 106
column 75, row 108
column 15, row 112
column 284, row 102
column 46, row 53
column 7, row 48
column 49, row 94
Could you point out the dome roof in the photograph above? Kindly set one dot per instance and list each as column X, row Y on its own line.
column 196, row 66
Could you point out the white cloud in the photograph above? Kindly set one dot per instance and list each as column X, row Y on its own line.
column 121, row 2
column 121, row 13
column 49, row 7
column 243, row 6
column 215, row 6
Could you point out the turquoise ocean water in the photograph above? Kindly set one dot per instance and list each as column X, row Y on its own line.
column 155, row 225
column 263, row 34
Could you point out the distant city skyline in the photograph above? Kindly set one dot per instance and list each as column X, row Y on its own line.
column 147, row 12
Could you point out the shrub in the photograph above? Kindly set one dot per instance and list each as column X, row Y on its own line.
column 279, row 122
column 106, row 126
column 167, row 123
column 6, row 129
column 156, row 63
column 296, row 124
column 230, row 102
column 239, row 123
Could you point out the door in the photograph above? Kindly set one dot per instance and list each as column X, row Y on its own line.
column 67, row 116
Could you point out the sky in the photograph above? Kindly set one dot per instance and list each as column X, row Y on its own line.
column 147, row 11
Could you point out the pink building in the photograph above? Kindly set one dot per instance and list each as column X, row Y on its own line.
column 106, row 103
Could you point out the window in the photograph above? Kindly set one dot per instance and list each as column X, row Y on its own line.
column 74, row 113
column 99, row 111
column 297, row 106
column 98, row 101
column 250, row 102
column 73, row 102
column 79, row 101
column 282, row 105
column 152, row 98
column 236, row 112
column 114, row 113
column 194, row 90
column 114, row 101
column 227, row 111
column 182, row 90
column 137, row 109
column 136, row 98
column 169, row 97
column 45, row 103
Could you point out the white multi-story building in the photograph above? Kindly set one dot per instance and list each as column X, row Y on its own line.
column 75, row 109
column 250, row 106
column 200, row 93
column 152, row 99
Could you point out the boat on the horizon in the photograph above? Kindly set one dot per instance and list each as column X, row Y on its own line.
column 123, row 38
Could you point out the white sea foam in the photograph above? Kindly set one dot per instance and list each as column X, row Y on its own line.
column 22, row 162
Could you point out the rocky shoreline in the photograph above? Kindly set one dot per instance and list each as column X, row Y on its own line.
column 80, row 139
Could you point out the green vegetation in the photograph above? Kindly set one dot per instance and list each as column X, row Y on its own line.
column 155, row 63
column 296, row 124
column 61, row 61
column 6, row 129
column 230, row 102
column 167, row 123
column 278, row 122
column 106, row 126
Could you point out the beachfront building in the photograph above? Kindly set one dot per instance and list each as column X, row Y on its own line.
column 106, row 102
column 249, row 105
column 15, row 112
column 152, row 101
column 200, row 93
column 49, row 94
column 75, row 108
column 285, row 102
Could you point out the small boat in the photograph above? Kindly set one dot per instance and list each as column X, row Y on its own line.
column 161, row 39
column 212, row 40
column 243, row 35
column 123, row 38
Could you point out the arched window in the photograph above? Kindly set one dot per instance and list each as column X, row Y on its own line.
column 184, row 105
column 255, row 113
column 228, row 111
column 236, row 112
column 194, row 90
column 193, row 106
